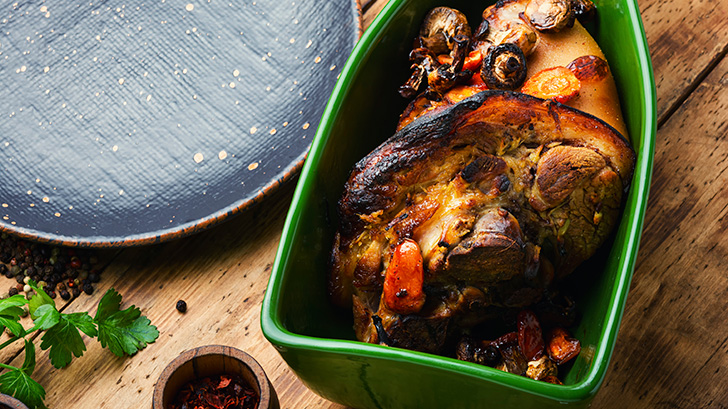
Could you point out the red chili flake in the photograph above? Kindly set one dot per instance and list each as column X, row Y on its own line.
column 224, row 382
column 216, row 392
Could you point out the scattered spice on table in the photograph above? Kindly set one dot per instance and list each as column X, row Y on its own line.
column 181, row 306
column 216, row 392
column 60, row 271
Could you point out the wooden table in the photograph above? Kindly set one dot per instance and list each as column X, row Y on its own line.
column 672, row 350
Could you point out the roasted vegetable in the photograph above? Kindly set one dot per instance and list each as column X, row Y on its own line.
column 562, row 346
column 550, row 15
column 440, row 27
column 423, row 62
column 502, row 24
column 557, row 83
column 504, row 67
column 444, row 47
column 530, row 339
column 403, row 279
column 541, row 368
column 589, row 68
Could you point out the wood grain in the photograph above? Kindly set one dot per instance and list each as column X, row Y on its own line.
column 686, row 39
column 672, row 350
column 222, row 274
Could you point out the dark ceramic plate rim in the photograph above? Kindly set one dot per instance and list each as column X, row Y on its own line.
column 184, row 229
column 276, row 332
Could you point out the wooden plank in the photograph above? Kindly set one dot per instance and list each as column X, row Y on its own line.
column 222, row 274
column 373, row 8
column 672, row 349
column 686, row 38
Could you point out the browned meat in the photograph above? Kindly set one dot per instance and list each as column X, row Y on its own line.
column 503, row 193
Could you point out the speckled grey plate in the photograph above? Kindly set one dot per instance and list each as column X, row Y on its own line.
column 125, row 123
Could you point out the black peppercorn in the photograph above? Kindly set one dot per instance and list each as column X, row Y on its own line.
column 65, row 295
column 181, row 306
column 13, row 291
column 59, row 268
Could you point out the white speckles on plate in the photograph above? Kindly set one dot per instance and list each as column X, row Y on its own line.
column 139, row 98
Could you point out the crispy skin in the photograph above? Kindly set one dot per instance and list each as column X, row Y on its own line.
column 498, row 191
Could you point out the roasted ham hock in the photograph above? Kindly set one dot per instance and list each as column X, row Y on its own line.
column 471, row 211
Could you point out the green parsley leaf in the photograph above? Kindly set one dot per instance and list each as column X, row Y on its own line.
column 40, row 299
column 29, row 362
column 84, row 322
column 8, row 303
column 64, row 338
column 14, row 326
column 46, row 316
column 10, row 312
column 19, row 384
column 109, row 304
column 123, row 331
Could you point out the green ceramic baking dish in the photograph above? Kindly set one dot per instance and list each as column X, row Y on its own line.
column 317, row 340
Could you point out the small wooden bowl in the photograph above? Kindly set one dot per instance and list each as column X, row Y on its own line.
column 212, row 360
column 10, row 402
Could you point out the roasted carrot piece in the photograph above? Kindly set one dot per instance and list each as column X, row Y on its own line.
column 473, row 61
column 444, row 59
column 477, row 81
column 557, row 83
column 562, row 347
column 403, row 279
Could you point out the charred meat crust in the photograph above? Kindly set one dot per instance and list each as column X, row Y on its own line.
column 503, row 194
column 492, row 120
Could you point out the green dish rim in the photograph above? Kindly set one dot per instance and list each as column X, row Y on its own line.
column 281, row 338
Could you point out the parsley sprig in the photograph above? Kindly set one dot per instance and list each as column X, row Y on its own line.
column 123, row 332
